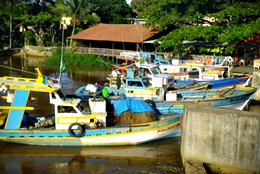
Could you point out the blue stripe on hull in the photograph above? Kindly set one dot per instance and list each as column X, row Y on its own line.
column 15, row 116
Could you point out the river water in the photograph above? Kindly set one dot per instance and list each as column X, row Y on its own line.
column 157, row 157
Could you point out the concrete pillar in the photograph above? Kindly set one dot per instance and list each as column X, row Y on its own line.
column 223, row 139
column 256, row 84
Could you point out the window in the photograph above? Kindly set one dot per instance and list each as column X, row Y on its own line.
column 66, row 109
column 183, row 70
column 146, row 82
column 53, row 96
column 208, row 77
column 60, row 93
column 155, row 71
column 135, row 83
column 84, row 107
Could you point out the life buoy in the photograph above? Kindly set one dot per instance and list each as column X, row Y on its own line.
column 78, row 132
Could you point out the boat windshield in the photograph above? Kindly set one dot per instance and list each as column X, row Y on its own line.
column 165, row 62
column 156, row 70
column 146, row 82
column 84, row 107
column 60, row 94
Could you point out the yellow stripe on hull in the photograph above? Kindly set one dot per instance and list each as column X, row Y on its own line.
column 17, row 108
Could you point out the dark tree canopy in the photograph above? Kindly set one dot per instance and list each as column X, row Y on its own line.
column 215, row 21
column 112, row 11
column 40, row 19
column 209, row 21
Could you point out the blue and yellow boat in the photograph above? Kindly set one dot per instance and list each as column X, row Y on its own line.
column 236, row 97
column 73, row 123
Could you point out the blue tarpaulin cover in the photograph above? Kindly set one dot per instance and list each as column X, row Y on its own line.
column 132, row 105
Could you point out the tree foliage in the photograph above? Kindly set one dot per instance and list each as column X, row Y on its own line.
column 78, row 10
column 138, row 6
column 209, row 21
column 41, row 19
column 112, row 11
column 8, row 10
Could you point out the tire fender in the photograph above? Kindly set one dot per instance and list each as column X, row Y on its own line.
column 76, row 132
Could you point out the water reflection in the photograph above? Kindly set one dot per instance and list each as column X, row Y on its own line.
column 9, row 66
column 147, row 158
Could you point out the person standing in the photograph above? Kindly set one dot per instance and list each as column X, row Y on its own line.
column 118, row 81
column 105, row 92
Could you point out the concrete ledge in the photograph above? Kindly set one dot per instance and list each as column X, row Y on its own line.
column 221, row 137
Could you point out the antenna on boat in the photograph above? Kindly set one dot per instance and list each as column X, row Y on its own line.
column 65, row 21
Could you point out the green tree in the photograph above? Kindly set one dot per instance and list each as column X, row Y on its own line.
column 112, row 11
column 138, row 6
column 209, row 21
column 9, row 9
column 44, row 25
column 78, row 10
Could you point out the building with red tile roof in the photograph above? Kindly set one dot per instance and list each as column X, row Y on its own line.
column 116, row 36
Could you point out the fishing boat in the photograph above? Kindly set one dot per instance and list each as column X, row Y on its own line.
column 226, row 92
column 73, row 123
column 215, row 84
column 236, row 97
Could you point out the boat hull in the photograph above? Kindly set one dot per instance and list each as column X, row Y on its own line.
column 236, row 98
column 106, row 137
column 215, row 84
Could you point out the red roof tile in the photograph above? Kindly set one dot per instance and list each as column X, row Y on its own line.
column 135, row 33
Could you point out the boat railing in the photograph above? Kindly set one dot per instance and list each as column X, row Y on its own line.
column 25, row 84
column 18, row 80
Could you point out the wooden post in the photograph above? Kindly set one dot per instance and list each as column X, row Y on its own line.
column 113, row 58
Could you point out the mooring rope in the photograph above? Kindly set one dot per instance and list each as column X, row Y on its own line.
column 24, row 71
column 17, row 69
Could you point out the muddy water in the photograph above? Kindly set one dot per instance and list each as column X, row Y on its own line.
column 156, row 157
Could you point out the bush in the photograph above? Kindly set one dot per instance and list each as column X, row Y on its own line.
column 76, row 61
column 29, row 37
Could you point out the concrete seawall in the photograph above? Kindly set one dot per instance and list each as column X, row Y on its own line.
column 220, row 140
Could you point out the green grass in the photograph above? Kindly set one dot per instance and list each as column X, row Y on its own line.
column 78, row 62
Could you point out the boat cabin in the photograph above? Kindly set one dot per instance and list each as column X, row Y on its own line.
column 73, row 110
column 192, row 72
column 157, row 79
column 66, row 110
column 141, row 88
